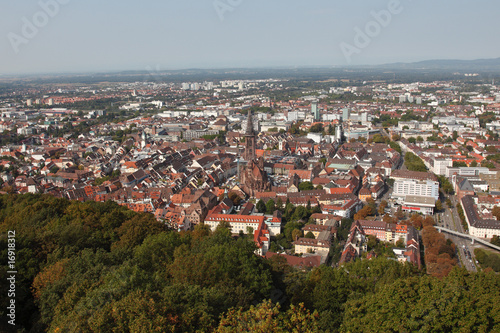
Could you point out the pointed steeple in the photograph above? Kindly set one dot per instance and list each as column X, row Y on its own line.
column 250, row 141
column 249, row 130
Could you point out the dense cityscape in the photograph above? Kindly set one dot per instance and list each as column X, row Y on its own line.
column 175, row 150
column 314, row 173
column 245, row 166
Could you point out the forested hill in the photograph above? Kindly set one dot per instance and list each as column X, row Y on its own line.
column 98, row 267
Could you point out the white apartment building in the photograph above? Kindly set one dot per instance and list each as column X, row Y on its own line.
column 479, row 227
column 440, row 166
column 414, row 187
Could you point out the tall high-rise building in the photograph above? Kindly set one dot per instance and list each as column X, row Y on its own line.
column 338, row 133
column 364, row 117
column 346, row 114
column 315, row 111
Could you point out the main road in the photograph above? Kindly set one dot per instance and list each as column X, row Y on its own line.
column 449, row 219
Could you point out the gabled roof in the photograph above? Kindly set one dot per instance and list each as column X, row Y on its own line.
column 465, row 185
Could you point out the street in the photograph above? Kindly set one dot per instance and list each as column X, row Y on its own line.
column 450, row 220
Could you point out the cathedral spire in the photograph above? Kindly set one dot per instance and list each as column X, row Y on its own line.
column 250, row 141
column 249, row 130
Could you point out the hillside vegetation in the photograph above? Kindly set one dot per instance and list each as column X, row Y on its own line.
column 98, row 267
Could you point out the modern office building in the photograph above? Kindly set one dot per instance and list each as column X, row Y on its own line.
column 315, row 111
column 346, row 114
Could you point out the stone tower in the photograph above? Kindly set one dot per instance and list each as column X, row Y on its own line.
column 250, row 140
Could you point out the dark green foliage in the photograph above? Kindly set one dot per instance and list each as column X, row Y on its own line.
column 458, row 164
column 338, row 243
column 306, row 186
column 445, row 185
column 378, row 138
column 439, row 206
column 495, row 157
column 261, row 206
column 270, row 207
column 381, row 249
column 290, row 227
column 316, row 128
column 488, row 259
column 300, row 213
column 386, row 121
column 327, row 290
column 317, row 209
column 461, row 214
column 486, row 164
column 98, row 267
column 114, row 174
column 461, row 302
column 309, row 235
column 279, row 204
column 414, row 163
column 331, row 130
column 344, row 228
column 390, row 182
column 434, row 138
column 235, row 198
column 51, row 230
column 395, row 146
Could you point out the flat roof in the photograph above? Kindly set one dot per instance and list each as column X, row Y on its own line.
column 413, row 175
column 420, row 200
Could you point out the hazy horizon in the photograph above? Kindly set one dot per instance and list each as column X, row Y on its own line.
column 66, row 36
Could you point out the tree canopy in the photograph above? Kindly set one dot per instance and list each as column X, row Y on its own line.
column 414, row 163
column 99, row 267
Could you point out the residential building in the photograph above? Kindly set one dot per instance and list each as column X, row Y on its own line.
column 478, row 226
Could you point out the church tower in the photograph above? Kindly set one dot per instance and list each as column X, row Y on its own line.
column 254, row 179
column 250, row 140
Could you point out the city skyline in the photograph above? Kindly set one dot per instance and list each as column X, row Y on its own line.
column 61, row 36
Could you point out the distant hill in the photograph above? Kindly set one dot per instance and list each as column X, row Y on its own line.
column 448, row 65
column 425, row 71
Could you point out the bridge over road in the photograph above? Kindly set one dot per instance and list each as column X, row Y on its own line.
column 472, row 238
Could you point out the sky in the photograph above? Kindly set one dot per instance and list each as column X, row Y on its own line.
column 75, row 36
